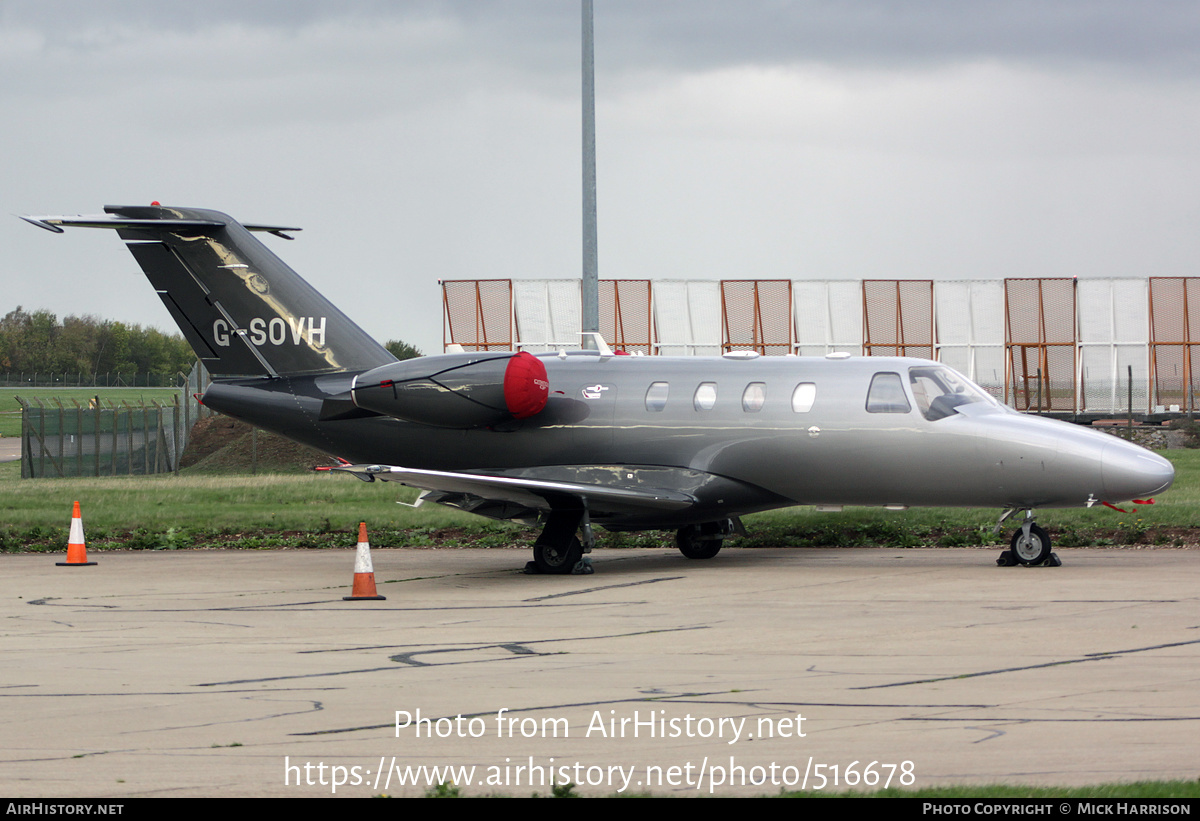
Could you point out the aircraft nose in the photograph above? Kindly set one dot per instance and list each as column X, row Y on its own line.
column 1131, row 472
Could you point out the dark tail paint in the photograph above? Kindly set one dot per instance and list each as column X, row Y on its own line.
column 242, row 309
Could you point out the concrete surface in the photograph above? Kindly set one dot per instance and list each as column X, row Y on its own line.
column 225, row 673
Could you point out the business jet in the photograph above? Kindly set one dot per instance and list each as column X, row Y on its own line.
column 578, row 439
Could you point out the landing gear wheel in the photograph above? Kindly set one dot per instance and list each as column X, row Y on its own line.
column 693, row 544
column 1033, row 551
column 556, row 559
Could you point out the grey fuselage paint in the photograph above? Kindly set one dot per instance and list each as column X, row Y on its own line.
column 597, row 428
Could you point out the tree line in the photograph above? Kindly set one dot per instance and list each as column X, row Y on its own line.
column 40, row 342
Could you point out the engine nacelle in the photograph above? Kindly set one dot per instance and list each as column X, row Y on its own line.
column 457, row 390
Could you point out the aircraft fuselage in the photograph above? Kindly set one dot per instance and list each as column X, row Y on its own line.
column 735, row 433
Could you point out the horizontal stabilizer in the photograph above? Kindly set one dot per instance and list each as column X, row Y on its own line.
column 198, row 226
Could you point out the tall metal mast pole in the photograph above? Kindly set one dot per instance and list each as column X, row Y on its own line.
column 590, row 290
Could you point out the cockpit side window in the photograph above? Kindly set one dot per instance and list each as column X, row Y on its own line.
column 939, row 390
column 886, row 394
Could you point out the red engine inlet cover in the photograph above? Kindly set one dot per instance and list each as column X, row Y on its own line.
column 526, row 386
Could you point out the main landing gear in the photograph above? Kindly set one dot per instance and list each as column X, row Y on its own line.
column 558, row 550
column 1030, row 544
column 704, row 541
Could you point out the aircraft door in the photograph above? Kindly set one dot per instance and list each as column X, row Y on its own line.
column 593, row 435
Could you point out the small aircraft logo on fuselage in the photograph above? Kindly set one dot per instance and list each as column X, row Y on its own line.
column 594, row 391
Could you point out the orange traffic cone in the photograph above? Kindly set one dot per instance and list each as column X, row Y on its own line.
column 364, row 574
column 76, row 549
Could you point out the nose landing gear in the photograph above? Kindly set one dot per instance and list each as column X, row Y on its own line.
column 1030, row 544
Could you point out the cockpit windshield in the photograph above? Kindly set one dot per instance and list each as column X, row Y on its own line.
column 939, row 390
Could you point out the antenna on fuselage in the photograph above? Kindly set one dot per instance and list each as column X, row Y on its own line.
column 593, row 341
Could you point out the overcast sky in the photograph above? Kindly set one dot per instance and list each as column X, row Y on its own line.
column 417, row 141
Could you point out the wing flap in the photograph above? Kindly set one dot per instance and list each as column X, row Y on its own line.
column 530, row 493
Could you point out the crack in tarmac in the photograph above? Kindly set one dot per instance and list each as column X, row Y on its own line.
column 408, row 660
column 1104, row 656
column 604, row 587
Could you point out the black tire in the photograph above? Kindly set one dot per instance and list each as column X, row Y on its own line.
column 557, row 560
column 1033, row 552
column 691, row 545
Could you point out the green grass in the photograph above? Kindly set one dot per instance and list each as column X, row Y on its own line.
column 276, row 501
column 10, row 410
column 298, row 510
column 168, row 512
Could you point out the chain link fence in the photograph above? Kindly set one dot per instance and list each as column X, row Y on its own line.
column 102, row 437
column 43, row 379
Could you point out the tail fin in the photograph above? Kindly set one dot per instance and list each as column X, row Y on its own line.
column 244, row 312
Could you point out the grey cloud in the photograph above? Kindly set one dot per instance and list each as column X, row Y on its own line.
column 702, row 34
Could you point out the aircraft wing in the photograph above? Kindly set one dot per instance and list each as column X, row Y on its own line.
column 506, row 497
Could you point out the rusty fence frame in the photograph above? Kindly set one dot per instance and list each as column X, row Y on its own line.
column 759, row 341
column 1038, row 347
column 898, row 342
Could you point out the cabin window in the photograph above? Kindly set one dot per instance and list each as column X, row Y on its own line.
column 803, row 397
column 706, row 396
column 656, row 396
column 887, row 395
column 754, row 396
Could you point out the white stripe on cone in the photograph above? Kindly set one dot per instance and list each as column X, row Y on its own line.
column 76, row 529
column 362, row 560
